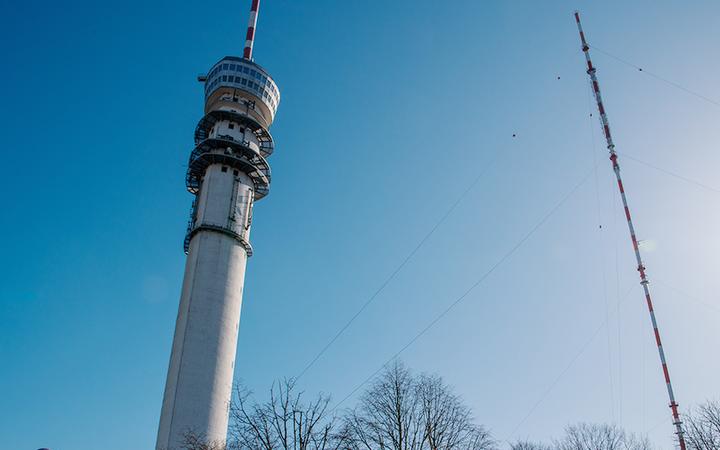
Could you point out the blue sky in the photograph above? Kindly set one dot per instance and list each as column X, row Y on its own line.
column 389, row 111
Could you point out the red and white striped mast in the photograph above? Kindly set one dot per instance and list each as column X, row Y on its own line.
column 252, row 25
column 640, row 266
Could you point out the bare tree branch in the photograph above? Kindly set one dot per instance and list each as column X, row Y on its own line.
column 702, row 427
column 401, row 411
column 585, row 436
column 283, row 422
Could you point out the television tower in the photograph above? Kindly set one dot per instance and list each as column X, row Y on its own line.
column 227, row 172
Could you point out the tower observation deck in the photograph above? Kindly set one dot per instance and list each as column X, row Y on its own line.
column 227, row 172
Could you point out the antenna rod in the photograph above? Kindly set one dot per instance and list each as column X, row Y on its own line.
column 252, row 25
column 640, row 267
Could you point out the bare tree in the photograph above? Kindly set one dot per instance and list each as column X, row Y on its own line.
column 403, row 412
column 702, row 427
column 447, row 421
column 193, row 441
column 585, row 436
column 283, row 422
column 388, row 416
column 528, row 445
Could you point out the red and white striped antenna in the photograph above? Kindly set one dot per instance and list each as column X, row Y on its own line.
column 252, row 25
column 640, row 266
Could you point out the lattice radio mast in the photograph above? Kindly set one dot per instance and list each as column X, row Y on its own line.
column 640, row 266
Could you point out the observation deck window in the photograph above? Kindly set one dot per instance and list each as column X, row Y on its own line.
column 241, row 75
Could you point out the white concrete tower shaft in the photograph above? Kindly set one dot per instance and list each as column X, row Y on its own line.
column 227, row 172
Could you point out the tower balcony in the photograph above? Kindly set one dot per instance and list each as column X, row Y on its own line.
column 242, row 119
column 237, row 155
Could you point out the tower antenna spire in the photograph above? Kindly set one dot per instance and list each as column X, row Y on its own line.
column 640, row 266
column 252, row 26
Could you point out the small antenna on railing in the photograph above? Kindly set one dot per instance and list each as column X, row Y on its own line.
column 252, row 24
